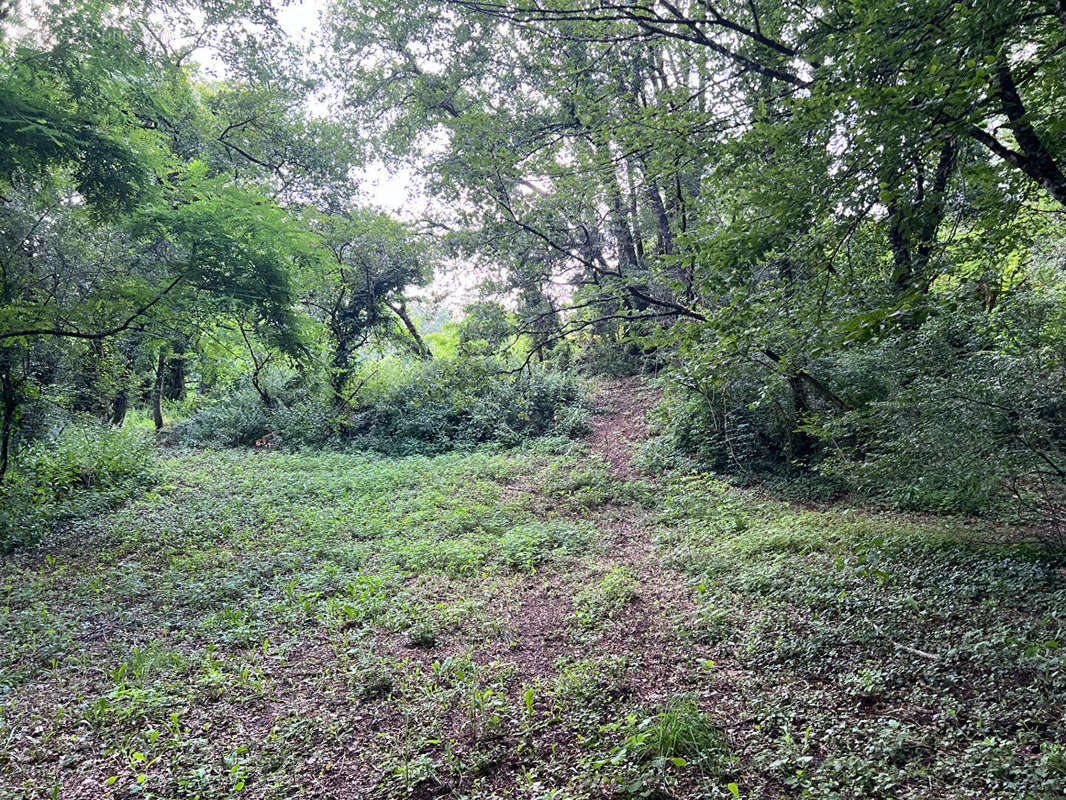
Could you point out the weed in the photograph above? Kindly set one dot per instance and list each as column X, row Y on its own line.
column 607, row 597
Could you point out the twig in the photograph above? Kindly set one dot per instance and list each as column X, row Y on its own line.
column 909, row 649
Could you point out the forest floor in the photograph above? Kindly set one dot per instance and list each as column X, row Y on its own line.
column 550, row 621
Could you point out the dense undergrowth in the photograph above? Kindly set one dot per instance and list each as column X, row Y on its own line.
column 277, row 625
column 74, row 473
column 958, row 409
column 402, row 407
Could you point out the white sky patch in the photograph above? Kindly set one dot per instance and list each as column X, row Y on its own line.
column 398, row 191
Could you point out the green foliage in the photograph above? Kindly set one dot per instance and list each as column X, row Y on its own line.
column 825, row 652
column 801, row 259
column 526, row 547
column 61, row 110
column 654, row 748
column 485, row 328
column 607, row 597
column 83, row 470
column 881, row 613
column 951, row 413
column 416, row 406
column 238, row 419
column 442, row 404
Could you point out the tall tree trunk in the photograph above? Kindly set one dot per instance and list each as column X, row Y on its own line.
column 157, row 391
column 1039, row 163
column 802, row 443
column 662, row 218
column 11, row 403
column 174, row 386
column 340, row 371
column 913, row 228
column 120, row 405
column 421, row 347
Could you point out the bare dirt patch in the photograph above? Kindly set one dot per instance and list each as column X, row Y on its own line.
column 621, row 422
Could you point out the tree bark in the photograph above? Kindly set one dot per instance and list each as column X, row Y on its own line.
column 174, row 386
column 120, row 406
column 420, row 345
column 260, row 390
column 157, row 391
column 11, row 403
column 913, row 228
column 1034, row 159
column 340, row 371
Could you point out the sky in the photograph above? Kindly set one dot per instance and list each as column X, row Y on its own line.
column 396, row 191
column 393, row 190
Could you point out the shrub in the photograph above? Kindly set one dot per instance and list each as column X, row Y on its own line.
column 951, row 410
column 443, row 404
column 82, row 470
column 405, row 407
column 238, row 419
column 525, row 547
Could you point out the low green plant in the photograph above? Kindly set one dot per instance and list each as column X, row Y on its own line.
column 607, row 597
column 82, row 470
column 655, row 748
column 525, row 547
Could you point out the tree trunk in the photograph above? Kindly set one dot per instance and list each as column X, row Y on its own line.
column 420, row 345
column 157, row 391
column 11, row 403
column 1035, row 160
column 1039, row 163
column 340, row 368
column 912, row 229
column 174, row 387
column 120, row 405
column 264, row 395
column 802, row 443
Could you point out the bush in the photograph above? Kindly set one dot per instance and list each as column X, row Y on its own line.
column 301, row 417
column 404, row 407
column 443, row 404
column 956, row 409
column 238, row 419
column 80, row 471
column 975, row 400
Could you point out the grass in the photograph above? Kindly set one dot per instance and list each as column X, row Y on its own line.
column 521, row 624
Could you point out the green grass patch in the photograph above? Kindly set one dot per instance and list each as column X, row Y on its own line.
column 454, row 624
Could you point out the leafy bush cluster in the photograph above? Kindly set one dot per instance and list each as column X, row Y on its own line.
column 420, row 407
column 79, row 471
column 240, row 418
column 958, row 411
column 442, row 404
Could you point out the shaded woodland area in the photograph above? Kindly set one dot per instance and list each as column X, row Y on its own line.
column 692, row 426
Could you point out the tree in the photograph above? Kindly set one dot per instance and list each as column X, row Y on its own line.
column 141, row 206
column 361, row 289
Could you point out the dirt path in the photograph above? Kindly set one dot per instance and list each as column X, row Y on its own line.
column 621, row 422
column 649, row 628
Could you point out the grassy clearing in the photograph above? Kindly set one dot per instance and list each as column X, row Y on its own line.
column 520, row 624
